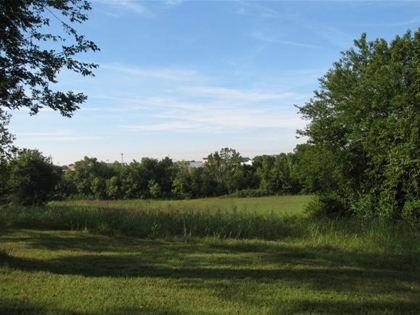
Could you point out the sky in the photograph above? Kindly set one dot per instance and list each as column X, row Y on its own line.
column 183, row 79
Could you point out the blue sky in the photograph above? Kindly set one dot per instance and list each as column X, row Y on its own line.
column 186, row 78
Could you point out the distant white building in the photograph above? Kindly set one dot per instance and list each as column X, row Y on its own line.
column 194, row 164
column 246, row 161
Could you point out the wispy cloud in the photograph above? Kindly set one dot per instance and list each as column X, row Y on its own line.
column 390, row 24
column 127, row 6
column 228, row 95
column 170, row 74
column 217, row 110
column 168, row 126
column 269, row 39
column 240, row 11
column 256, row 9
column 218, row 120
column 58, row 136
column 187, row 101
column 173, row 3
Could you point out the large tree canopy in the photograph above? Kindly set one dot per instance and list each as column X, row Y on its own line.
column 365, row 121
column 31, row 57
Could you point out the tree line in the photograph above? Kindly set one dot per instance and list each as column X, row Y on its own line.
column 361, row 157
column 31, row 178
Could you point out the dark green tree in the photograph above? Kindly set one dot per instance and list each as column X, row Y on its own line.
column 224, row 171
column 131, row 181
column 5, row 181
column 164, row 176
column 90, row 177
column 364, row 126
column 33, row 178
column 182, row 181
column 266, row 174
column 275, row 174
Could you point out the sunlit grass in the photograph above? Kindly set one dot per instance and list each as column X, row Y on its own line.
column 65, row 272
column 234, row 258
column 233, row 219
column 279, row 205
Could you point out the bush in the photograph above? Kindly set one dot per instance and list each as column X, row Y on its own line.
column 328, row 205
column 33, row 178
column 411, row 211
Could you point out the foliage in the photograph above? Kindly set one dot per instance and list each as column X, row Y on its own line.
column 364, row 127
column 224, row 170
column 7, row 150
column 411, row 211
column 276, row 174
column 28, row 62
column 328, row 205
column 5, row 181
column 223, row 174
column 31, row 57
column 33, row 178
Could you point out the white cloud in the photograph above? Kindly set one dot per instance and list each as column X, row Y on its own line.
column 58, row 136
column 255, row 9
column 173, row 3
column 170, row 74
column 170, row 126
column 127, row 6
column 262, row 37
column 390, row 24
column 228, row 95
column 217, row 110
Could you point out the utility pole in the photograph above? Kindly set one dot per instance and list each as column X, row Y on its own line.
column 122, row 158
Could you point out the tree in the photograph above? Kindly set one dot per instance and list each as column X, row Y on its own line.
column 181, row 184
column 31, row 57
column 225, row 170
column 6, row 138
column 365, row 120
column 90, row 177
column 33, row 178
column 265, row 171
column 5, row 181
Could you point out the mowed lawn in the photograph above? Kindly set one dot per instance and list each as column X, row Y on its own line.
column 328, row 271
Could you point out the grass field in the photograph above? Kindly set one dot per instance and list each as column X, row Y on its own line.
column 317, row 267
column 284, row 205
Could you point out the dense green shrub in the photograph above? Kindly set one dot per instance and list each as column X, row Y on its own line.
column 363, row 134
column 411, row 211
column 329, row 205
column 33, row 178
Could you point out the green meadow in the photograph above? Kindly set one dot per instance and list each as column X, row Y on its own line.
column 284, row 205
column 211, row 256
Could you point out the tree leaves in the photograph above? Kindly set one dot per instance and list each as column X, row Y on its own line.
column 366, row 114
column 31, row 57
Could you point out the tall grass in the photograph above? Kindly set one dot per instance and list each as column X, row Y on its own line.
column 152, row 223
column 184, row 222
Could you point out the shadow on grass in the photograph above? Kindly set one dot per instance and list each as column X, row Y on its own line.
column 329, row 256
column 198, row 265
column 18, row 307
column 344, row 307
column 71, row 240
column 320, row 268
